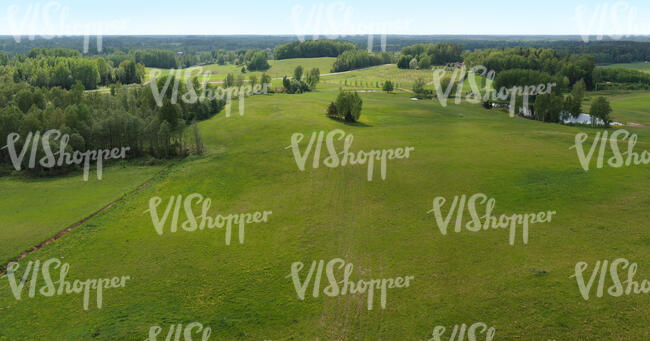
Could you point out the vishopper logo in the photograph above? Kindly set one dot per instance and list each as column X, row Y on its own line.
column 344, row 286
column 175, row 331
column 31, row 276
column 490, row 221
column 460, row 75
column 64, row 158
column 52, row 20
column 459, row 332
column 618, row 288
column 207, row 93
column 202, row 221
column 335, row 19
column 346, row 157
column 619, row 159
column 617, row 21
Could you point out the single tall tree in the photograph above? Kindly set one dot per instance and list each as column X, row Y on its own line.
column 601, row 109
column 297, row 73
column 388, row 87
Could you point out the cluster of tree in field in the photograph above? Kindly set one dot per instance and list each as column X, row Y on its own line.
column 356, row 59
column 297, row 84
column 347, row 106
column 312, row 49
column 130, row 117
column 256, row 60
column 62, row 68
column 423, row 56
column 388, row 87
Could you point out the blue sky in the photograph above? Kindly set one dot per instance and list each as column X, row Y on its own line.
column 66, row 17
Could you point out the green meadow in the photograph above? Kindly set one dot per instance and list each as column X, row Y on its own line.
column 374, row 77
column 34, row 210
column 381, row 226
column 632, row 108
column 279, row 69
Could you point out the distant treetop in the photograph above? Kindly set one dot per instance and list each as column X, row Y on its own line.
column 313, row 49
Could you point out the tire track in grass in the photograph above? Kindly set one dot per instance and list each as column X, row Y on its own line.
column 3, row 268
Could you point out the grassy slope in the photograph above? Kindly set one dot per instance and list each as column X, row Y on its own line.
column 628, row 106
column 381, row 227
column 633, row 108
column 33, row 210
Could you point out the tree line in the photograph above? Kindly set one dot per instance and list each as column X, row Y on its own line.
column 312, row 49
column 423, row 56
column 63, row 67
column 356, row 59
column 548, row 61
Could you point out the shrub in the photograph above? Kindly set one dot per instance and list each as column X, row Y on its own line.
column 388, row 86
column 331, row 110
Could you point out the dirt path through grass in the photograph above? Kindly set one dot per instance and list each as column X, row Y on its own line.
column 3, row 268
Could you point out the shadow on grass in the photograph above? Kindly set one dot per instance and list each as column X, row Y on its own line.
column 348, row 123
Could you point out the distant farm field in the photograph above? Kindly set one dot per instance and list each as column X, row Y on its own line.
column 381, row 226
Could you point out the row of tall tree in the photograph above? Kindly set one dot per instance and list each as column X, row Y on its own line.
column 44, row 70
column 356, row 59
column 423, row 56
column 312, row 49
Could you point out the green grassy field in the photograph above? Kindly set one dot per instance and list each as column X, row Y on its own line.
column 375, row 76
column 242, row 291
column 633, row 108
column 628, row 107
column 34, row 210
column 279, row 68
